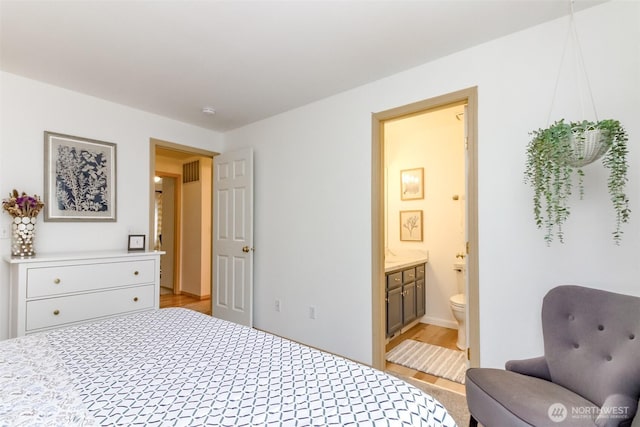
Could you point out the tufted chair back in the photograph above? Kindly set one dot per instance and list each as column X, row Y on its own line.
column 592, row 344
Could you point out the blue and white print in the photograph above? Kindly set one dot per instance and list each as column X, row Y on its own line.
column 81, row 179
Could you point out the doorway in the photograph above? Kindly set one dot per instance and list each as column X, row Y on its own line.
column 467, row 97
column 181, row 207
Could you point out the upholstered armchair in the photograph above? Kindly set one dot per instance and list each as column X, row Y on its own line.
column 589, row 374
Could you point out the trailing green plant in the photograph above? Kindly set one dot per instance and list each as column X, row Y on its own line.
column 552, row 163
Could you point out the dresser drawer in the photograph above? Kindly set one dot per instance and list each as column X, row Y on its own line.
column 58, row 311
column 50, row 281
column 420, row 271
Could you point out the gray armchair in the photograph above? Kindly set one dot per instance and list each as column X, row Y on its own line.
column 589, row 374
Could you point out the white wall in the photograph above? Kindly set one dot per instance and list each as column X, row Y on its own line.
column 27, row 109
column 313, row 189
column 433, row 141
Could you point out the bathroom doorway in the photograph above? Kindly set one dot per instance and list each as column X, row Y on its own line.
column 461, row 106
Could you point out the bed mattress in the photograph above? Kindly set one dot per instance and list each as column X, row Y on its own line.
column 177, row 367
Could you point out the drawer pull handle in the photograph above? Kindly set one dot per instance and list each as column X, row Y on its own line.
column 135, row 273
column 397, row 279
column 56, row 281
column 135, row 299
column 56, row 312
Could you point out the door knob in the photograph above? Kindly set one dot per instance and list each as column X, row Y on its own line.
column 246, row 249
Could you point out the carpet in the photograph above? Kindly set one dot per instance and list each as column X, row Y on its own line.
column 455, row 403
column 431, row 359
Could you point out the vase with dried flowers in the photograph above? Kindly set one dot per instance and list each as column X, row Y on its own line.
column 23, row 209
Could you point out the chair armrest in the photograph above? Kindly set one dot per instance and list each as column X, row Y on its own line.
column 617, row 408
column 535, row 367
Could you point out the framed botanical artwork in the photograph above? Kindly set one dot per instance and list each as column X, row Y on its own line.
column 79, row 179
column 411, row 226
column 412, row 184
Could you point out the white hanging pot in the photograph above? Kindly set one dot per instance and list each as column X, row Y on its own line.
column 587, row 146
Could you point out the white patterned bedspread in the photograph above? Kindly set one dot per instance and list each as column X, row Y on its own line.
column 177, row 367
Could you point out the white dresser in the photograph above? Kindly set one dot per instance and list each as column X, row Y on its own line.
column 54, row 290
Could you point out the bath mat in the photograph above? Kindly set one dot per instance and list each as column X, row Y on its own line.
column 431, row 359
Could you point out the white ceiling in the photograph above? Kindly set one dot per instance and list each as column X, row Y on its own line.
column 247, row 59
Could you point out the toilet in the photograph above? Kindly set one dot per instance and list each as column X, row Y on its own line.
column 459, row 305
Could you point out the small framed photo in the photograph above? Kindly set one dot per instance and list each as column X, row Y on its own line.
column 79, row 179
column 136, row 242
column 411, row 226
column 412, row 184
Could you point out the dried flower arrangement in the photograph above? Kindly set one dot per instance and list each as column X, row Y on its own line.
column 22, row 205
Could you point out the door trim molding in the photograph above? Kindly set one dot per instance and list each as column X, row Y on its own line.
column 470, row 97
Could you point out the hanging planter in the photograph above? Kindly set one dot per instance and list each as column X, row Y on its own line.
column 555, row 157
column 588, row 143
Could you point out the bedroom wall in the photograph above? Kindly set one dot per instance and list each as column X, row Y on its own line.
column 313, row 189
column 27, row 109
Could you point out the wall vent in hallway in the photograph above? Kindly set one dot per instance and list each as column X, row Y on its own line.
column 191, row 171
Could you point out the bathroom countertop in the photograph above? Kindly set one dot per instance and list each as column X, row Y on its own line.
column 397, row 264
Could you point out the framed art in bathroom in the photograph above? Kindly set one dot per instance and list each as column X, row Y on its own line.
column 411, row 226
column 412, row 184
column 79, row 178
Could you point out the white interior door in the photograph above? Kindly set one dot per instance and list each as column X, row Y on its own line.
column 232, row 294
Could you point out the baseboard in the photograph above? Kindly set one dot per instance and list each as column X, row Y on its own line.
column 199, row 297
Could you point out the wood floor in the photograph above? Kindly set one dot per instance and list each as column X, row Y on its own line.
column 186, row 301
column 430, row 334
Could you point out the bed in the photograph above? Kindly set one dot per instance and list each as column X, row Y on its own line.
column 182, row 368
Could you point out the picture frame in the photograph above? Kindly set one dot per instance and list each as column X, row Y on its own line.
column 412, row 184
column 137, row 242
column 411, row 226
column 79, row 178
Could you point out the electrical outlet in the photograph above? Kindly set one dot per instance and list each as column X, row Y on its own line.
column 312, row 312
column 4, row 232
column 276, row 306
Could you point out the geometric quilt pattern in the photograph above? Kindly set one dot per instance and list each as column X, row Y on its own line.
column 182, row 368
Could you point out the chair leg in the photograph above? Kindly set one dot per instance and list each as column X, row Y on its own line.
column 473, row 422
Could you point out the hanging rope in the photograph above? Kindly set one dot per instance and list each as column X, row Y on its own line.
column 572, row 33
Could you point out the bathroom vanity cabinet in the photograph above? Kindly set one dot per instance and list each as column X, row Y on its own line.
column 405, row 296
